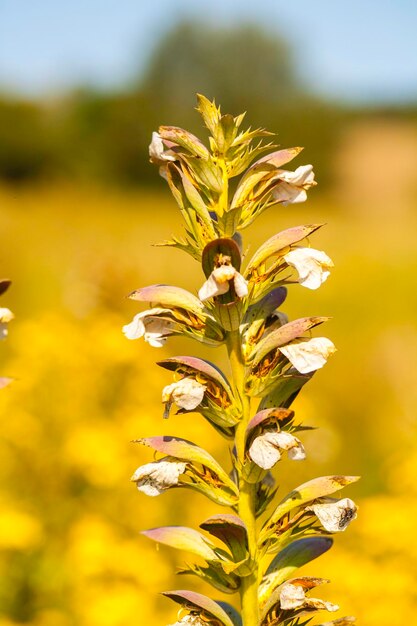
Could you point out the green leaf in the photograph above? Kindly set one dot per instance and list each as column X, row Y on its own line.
column 286, row 562
column 168, row 296
column 193, row 601
column 183, row 538
column 285, row 390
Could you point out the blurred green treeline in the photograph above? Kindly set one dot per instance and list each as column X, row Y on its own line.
column 92, row 135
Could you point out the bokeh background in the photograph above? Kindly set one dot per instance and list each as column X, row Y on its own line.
column 82, row 85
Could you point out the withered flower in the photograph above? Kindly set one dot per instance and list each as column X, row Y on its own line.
column 335, row 516
column 155, row 478
column 266, row 449
column 292, row 596
column 187, row 393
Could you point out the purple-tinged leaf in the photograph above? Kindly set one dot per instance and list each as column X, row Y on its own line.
column 195, row 365
column 270, row 416
column 278, row 158
column 187, row 451
column 168, row 296
column 284, row 335
column 232, row 613
column 193, row 601
column 279, row 243
column 183, row 538
column 267, row 305
column 261, row 171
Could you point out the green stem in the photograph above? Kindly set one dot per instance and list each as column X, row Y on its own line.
column 247, row 491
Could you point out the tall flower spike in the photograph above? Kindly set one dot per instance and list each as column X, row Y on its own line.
column 270, row 358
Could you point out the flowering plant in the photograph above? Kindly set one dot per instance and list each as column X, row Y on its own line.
column 271, row 359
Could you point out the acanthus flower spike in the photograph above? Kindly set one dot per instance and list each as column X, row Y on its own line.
column 270, row 360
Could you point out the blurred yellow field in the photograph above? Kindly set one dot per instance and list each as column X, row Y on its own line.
column 70, row 523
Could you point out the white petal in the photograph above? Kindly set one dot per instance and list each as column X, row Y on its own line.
column 335, row 516
column 149, row 326
column 187, row 393
column 263, row 453
column 215, row 285
column 154, row 478
column 155, row 340
column 191, row 620
column 303, row 176
column 317, row 603
column 291, row 596
column 308, row 356
column 288, row 194
column 292, row 186
column 135, row 329
column 266, row 449
column 157, row 150
column 241, row 285
column 5, row 315
column 312, row 266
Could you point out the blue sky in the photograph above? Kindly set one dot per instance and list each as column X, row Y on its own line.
column 362, row 50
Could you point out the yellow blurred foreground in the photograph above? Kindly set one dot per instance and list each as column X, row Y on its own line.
column 70, row 518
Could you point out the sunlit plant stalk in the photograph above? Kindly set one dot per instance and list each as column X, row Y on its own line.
column 270, row 361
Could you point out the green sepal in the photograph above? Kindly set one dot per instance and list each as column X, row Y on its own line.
column 285, row 390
